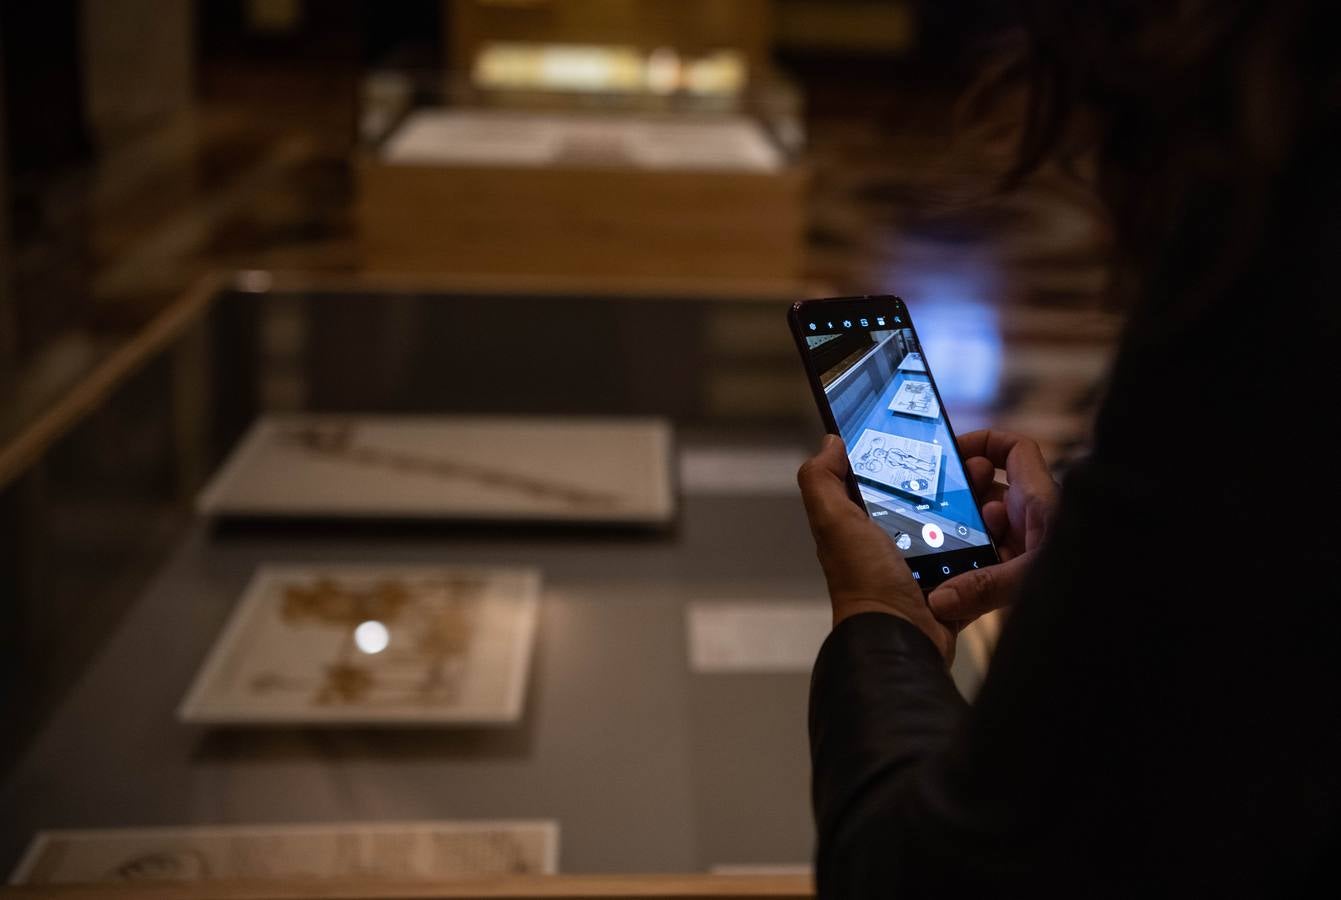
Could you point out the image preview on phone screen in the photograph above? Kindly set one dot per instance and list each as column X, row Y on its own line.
column 899, row 444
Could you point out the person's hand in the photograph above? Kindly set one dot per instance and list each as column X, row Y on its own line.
column 865, row 571
column 1017, row 514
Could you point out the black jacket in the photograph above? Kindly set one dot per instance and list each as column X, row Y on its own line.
column 1162, row 713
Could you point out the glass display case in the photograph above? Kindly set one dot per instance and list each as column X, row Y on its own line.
column 649, row 142
column 661, row 726
column 476, row 552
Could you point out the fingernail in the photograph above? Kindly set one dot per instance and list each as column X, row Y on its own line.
column 829, row 441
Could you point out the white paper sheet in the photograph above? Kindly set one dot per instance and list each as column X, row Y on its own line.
column 372, row 645
column 916, row 398
column 393, row 850
column 913, row 362
column 740, row 470
column 900, row 462
column 505, row 138
column 756, row 636
column 449, row 467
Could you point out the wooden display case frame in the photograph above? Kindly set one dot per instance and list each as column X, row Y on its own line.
column 576, row 222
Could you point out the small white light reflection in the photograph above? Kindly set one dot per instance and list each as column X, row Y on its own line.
column 371, row 637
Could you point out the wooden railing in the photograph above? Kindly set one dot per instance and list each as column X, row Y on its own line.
column 109, row 373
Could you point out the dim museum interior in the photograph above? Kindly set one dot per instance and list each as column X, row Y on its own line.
column 397, row 482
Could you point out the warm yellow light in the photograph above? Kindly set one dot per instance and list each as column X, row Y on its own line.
column 559, row 67
column 663, row 71
column 592, row 68
column 722, row 72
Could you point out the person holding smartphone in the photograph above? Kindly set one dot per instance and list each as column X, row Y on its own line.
column 1160, row 716
column 863, row 574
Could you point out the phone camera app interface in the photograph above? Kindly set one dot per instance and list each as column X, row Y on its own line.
column 899, row 446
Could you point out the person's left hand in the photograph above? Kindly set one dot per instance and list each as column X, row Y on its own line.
column 865, row 571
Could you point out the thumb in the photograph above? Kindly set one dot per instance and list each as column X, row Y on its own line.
column 965, row 597
column 824, row 487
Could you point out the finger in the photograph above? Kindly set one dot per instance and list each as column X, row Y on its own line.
column 967, row 596
column 823, row 482
column 1026, row 468
column 994, row 516
column 833, row 453
column 992, row 443
column 994, row 492
column 1033, row 493
column 981, row 473
column 1018, row 455
column 1038, row 518
column 1032, row 497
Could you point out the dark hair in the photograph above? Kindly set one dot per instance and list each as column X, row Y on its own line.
column 1191, row 112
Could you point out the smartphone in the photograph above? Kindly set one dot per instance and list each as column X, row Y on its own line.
column 875, row 390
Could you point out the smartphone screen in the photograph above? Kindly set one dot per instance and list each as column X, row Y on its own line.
column 875, row 389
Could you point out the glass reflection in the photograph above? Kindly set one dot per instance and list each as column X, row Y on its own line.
column 960, row 331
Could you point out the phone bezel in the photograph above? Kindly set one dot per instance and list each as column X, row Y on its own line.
column 957, row 561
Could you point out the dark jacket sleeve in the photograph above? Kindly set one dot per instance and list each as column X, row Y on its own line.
column 1146, row 721
column 882, row 703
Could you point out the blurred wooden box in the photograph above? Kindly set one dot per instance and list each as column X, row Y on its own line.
column 581, row 222
column 580, row 218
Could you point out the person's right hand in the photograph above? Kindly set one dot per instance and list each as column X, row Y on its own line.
column 1018, row 515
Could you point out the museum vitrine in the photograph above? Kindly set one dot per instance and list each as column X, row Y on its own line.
column 636, row 139
column 385, row 624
